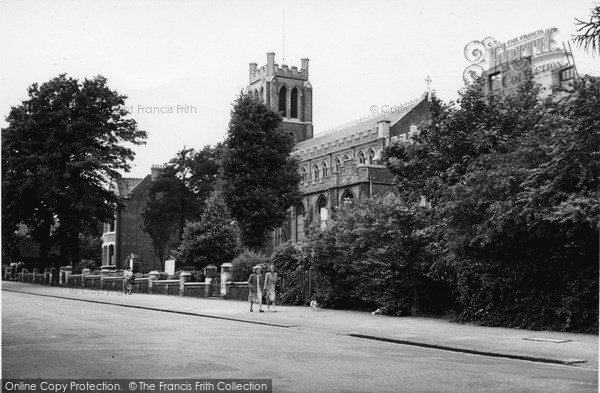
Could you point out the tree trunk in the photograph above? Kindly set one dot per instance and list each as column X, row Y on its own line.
column 415, row 295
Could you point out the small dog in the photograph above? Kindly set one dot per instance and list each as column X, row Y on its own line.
column 314, row 306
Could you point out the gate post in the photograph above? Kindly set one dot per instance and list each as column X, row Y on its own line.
column 183, row 278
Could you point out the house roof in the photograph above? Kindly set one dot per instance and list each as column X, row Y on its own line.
column 127, row 185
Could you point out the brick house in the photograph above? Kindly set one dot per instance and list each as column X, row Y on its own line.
column 125, row 236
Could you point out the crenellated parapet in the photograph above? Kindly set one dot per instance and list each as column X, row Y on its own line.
column 272, row 69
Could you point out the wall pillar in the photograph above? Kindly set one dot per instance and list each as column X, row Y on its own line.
column 183, row 278
column 68, row 271
column 226, row 275
column 153, row 275
column 84, row 272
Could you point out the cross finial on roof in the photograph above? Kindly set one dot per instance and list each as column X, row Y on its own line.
column 428, row 80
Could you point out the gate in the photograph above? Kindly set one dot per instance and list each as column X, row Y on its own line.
column 214, row 289
column 302, row 280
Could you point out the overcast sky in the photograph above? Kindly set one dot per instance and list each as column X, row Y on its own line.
column 195, row 54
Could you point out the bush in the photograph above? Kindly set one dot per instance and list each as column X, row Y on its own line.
column 86, row 264
column 244, row 262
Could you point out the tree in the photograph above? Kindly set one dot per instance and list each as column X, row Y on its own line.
column 514, row 185
column 589, row 38
column 62, row 147
column 212, row 240
column 178, row 195
column 260, row 177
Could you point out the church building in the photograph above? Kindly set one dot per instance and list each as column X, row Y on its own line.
column 336, row 165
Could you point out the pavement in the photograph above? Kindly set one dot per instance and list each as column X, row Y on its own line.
column 578, row 350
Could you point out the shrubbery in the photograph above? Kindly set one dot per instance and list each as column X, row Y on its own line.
column 372, row 255
column 244, row 262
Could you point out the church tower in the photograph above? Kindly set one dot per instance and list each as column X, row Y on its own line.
column 288, row 91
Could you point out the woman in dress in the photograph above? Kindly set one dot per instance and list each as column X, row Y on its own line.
column 256, row 283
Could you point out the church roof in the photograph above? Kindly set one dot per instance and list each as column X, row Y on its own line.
column 364, row 124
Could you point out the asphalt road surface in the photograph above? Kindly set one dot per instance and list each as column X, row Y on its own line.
column 60, row 338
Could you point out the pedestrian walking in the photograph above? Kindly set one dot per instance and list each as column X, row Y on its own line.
column 128, row 280
column 270, row 284
column 256, row 283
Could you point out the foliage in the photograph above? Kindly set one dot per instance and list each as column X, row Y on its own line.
column 260, row 177
column 373, row 254
column 91, row 248
column 63, row 146
column 178, row 195
column 589, row 38
column 244, row 262
column 11, row 239
column 288, row 259
column 86, row 264
column 514, row 185
column 212, row 240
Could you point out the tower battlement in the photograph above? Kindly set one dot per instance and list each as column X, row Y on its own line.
column 273, row 69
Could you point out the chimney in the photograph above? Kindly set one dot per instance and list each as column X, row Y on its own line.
column 155, row 170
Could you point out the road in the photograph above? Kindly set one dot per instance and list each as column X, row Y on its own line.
column 60, row 338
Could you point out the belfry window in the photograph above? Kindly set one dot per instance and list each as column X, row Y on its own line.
column 283, row 101
column 294, row 103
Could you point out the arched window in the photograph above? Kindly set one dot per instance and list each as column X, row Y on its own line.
column 262, row 93
column 283, row 101
column 325, row 169
column 316, row 172
column 346, row 157
column 347, row 196
column 303, row 174
column 371, row 156
column 294, row 103
column 321, row 203
column 337, row 164
column 299, row 222
column 322, row 210
column 361, row 157
column 111, row 255
column 256, row 94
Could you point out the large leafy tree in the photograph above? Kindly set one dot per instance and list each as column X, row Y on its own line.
column 514, row 188
column 260, row 177
column 62, row 147
column 212, row 240
column 178, row 195
column 382, row 257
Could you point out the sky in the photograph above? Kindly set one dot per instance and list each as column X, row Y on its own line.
column 183, row 63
